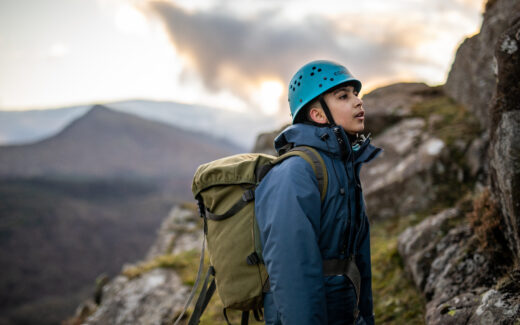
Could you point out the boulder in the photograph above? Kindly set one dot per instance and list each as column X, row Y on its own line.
column 387, row 105
column 410, row 159
column 152, row 298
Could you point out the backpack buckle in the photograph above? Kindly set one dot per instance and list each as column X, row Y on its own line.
column 248, row 195
column 253, row 259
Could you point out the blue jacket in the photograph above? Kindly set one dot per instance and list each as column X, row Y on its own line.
column 298, row 231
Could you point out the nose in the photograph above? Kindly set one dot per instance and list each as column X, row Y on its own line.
column 359, row 103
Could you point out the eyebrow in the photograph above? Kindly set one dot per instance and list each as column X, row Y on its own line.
column 346, row 88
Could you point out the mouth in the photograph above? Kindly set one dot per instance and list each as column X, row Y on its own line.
column 360, row 115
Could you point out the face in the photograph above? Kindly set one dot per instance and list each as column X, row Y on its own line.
column 346, row 109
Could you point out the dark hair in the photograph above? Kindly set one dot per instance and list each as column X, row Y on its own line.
column 303, row 114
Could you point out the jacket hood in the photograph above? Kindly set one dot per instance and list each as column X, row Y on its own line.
column 324, row 139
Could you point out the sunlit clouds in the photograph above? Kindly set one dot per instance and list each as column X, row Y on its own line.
column 224, row 53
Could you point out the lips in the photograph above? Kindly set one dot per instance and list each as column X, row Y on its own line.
column 360, row 115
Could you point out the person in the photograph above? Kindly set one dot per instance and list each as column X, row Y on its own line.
column 301, row 235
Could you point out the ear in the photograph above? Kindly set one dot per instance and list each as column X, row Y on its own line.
column 318, row 115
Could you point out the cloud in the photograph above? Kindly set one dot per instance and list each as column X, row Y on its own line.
column 230, row 52
column 58, row 50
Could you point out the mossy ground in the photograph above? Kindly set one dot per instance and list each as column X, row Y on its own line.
column 447, row 120
column 396, row 300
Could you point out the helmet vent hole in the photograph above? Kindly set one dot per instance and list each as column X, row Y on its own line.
column 300, row 77
column 331, row 79
column 314, row 68
column 298, row 84
column 295, row 82
column 300, row 100
column 319, row 85
column 312, row 73
column 319, row 70
column 324, row 78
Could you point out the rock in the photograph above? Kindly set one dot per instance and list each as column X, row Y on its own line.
column 417, row 244
column 407, row 166
column 476, row 156
column 505, row 132
column 454, row 311
column 152, row 298
column 180, row 231
column 472, row 77
column 387, row 105
column 454, row 276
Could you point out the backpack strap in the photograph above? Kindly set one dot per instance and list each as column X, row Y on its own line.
column 313, row 157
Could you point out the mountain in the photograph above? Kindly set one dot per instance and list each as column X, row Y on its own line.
column 85, row 201
column 105, row 143
column 22, row 127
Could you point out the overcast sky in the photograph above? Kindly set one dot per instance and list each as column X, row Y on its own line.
column 224, row 53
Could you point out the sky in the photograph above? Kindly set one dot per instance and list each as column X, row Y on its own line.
column 233, row 54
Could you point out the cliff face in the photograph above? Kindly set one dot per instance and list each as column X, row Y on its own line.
column 469, row 269
column 472, row 77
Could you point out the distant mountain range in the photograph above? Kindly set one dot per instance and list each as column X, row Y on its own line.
column 105, row 143
column 241, row 128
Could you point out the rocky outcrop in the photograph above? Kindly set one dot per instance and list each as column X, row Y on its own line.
column 387, row 105
column 407, row 166
column 470, row 271
column 152, row 291
column 472, row 77
column 456, row 278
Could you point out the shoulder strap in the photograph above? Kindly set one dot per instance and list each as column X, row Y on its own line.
column 313, row 157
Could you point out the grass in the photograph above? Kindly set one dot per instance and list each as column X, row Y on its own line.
column 396, row 300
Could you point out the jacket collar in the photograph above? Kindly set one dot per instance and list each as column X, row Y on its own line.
column 323, row 138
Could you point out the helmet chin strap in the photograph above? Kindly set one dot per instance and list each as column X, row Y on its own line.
column 335, row 128
column 326, row 109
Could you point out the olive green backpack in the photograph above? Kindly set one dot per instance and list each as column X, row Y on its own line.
column 225, row 190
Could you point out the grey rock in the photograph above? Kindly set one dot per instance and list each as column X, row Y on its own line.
column 505, row 132
column 387, row 105
column 180, row 231
column 407, row 166
column 472, row 77
column 417, row 245
column 152, row 298
column 476, row 156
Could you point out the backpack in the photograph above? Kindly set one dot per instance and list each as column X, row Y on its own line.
column 224, row 190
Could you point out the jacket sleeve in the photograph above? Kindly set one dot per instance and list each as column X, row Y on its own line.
column 288, row 209
column 364, row 265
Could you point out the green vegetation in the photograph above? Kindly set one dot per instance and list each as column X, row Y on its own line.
column 396, row 300
column 185, row 263
column 447, row 120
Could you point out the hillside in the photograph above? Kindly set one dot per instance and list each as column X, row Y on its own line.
column 108, row 144
column 84, row 202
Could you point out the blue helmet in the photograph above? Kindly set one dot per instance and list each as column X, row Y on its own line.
column 314, row 79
